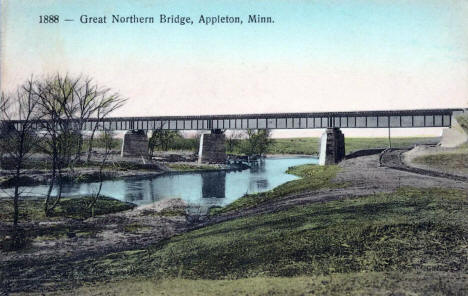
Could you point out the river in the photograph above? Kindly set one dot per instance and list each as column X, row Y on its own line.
column 199, row 189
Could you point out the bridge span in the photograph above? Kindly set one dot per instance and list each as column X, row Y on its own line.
column 212, row 144
column 311, row 120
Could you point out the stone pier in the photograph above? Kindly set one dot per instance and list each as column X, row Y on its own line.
column 212, row 148
column 332, row 147
column 135, row 144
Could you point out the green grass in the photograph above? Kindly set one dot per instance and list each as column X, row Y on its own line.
column 369, row 283
column 98, row 143
column 45, row 164
column 170, row 212
column 411, row 233
column 354, row 144
column 307, row 146
column 33, row 211
column 190, row 167
column 312, row 145
column 77, row 207
column 313, row 177
column 450, row 160
column 135, row 228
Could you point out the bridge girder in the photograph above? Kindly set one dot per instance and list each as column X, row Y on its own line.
column 313, row 120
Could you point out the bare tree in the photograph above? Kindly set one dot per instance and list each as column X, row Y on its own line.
column 4, row 103
column 106, row 141
column 66, row 104
column 105, row 103
column 56, row 107
column 85, row 94
column 18, row 140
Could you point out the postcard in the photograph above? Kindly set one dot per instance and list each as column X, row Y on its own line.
column 249, row 147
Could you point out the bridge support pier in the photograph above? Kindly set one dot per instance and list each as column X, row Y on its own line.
column 332, row 147
column 212, row 147
column 135, row 144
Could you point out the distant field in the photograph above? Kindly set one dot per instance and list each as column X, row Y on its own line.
column 303, row 145
column 312, row 145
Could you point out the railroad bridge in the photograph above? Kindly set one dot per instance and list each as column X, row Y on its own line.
column 135, row 142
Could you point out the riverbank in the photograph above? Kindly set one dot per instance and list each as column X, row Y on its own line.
column 68, row 237
column 387, row 223
column 36, row 170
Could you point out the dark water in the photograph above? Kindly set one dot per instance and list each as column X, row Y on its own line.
column 198, row 189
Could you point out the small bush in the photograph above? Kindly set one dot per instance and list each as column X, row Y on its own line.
column 78, row 207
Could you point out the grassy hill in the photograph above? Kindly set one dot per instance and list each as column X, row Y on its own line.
column 412, row 241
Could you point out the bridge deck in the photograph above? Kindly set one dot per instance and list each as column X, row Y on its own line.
column 358, row 119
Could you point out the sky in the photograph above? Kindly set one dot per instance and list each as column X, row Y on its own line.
column 316, row 56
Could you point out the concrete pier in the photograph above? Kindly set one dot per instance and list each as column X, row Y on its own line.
column 135, row 144
column 212, row 148
column 332, row 147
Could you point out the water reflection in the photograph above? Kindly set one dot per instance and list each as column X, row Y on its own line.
column 135, row 191
column 199, row 189
column 214, row 185
column 262, row 184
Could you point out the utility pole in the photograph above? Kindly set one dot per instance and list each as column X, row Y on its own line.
column 389, row 138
